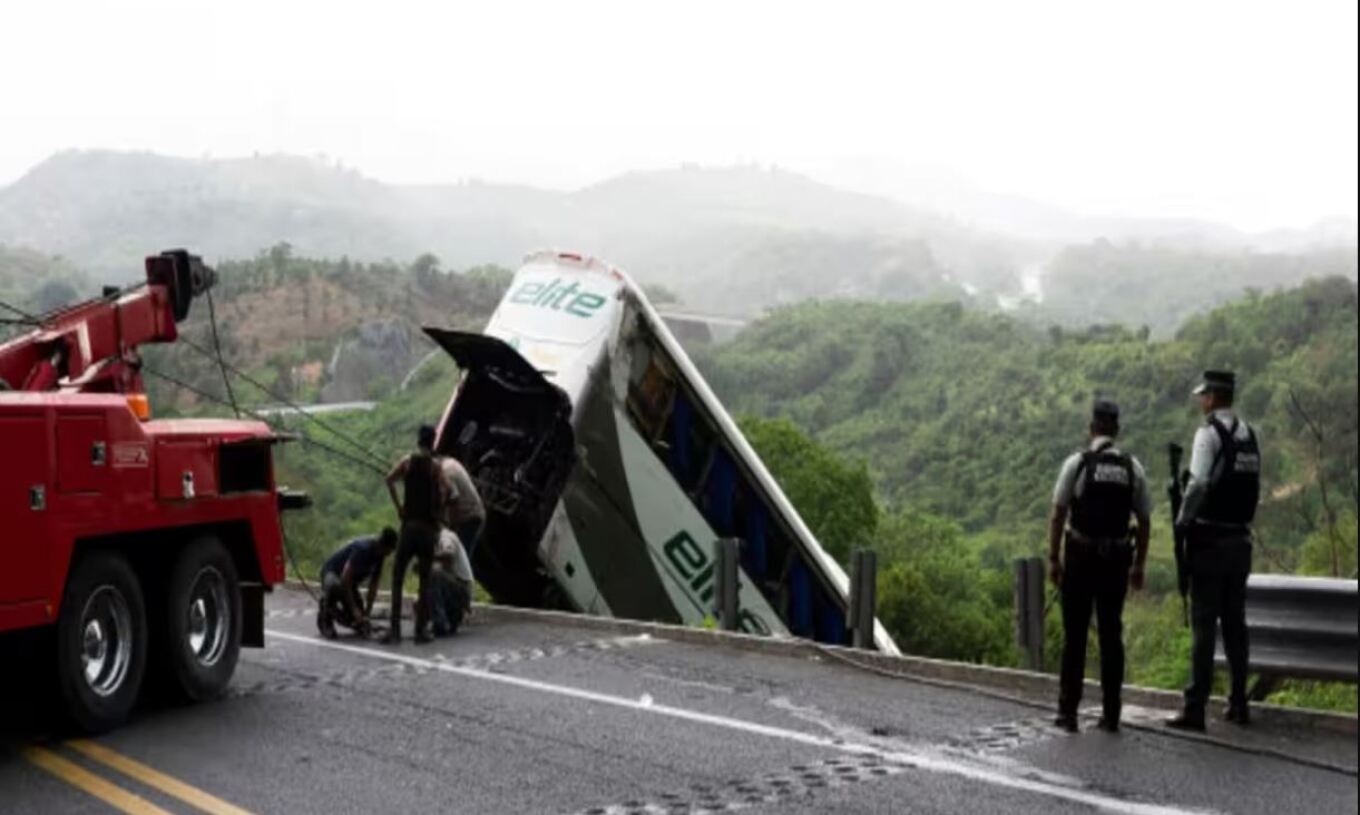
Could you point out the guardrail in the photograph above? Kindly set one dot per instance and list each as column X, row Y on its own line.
column 1300, row 628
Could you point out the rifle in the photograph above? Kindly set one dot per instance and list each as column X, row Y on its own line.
column 1177, row 495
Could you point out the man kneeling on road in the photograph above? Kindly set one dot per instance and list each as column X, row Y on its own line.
column 359, row 560
column 450, row 585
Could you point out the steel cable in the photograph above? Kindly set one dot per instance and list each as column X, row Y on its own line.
column 379, row 461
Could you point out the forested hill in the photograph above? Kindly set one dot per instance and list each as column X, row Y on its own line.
column 38, row 283
column 967, row 414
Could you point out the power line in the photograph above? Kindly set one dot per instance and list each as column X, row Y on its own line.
column 376, row 461
column 298, row 408
column 221, row 363
column 305, row 439
column 32, row 318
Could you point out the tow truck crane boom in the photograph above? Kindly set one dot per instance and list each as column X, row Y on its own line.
column 91, row 347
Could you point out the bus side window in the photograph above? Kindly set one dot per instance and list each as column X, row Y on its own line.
column 754, row 531
column 718, row 493
column 651, row 397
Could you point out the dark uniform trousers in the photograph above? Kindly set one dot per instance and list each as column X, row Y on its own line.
column 1093, row 576
column 1219, row 567
column 418, row 540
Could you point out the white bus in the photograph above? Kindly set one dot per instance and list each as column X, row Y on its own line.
column 608, row 468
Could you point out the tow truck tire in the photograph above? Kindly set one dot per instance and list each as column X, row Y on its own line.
column 203, row 621
column 101, row 642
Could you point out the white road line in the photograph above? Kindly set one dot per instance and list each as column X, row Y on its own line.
column 920, row 761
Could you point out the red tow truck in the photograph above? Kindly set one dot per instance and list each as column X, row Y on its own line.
column 142, row 547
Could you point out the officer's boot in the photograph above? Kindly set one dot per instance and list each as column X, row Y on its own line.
column 1109, row 719
column 1237, row 713
column 1191, row 719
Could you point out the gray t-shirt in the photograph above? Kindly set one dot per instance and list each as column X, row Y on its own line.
column 464, row 503
column 1068, row 487
column 452, row 549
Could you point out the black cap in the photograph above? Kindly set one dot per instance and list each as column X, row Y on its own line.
column 425, row 436
column 1105, row 409
column 1219, row 381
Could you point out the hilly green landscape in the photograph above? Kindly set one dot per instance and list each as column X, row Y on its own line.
column 729, row 240
column 930, row 431
column 929, row 427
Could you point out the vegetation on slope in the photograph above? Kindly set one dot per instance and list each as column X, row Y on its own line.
column 930, row 431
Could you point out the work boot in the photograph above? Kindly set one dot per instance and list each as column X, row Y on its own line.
column 423, row 637
column 1108, row 724
column 1068, row 722
column 325, row 626
column 392, row 637
column 1187, row 719
column 1237, row 714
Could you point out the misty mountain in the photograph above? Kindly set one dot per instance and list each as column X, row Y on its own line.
column 694, row 230
column 1161, row 286
column 960, row 199
column 730, row 240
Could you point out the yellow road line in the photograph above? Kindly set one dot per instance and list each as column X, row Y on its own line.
column 155, row 779
column 82, row 779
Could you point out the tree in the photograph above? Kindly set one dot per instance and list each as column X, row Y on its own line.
column 834, row 496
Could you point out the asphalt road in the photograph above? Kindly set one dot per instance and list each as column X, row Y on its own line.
column 520, row 717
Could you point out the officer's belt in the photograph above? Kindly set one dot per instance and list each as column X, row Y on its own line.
column 1209, row 530
column 1076, row 536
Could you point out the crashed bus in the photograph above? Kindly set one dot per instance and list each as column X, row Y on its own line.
column 609, row 469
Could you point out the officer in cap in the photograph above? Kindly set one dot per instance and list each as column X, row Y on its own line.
column 1221, row 494
column 1100, row 490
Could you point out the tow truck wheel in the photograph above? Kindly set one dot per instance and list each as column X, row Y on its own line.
column 101, row 642
column 203, row 628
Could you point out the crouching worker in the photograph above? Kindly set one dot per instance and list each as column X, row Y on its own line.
column 359, row 560
column 450, row 585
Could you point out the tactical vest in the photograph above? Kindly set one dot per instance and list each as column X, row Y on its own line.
column 1103, row 507
column 1235, row 481
column 421, row 490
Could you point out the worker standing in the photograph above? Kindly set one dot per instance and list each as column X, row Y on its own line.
column 420, row 506
column 1221, row 496
column 1099, row 490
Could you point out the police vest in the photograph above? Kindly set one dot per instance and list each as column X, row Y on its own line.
column 1235, row 481
column 1103, row 507
column 421, row 489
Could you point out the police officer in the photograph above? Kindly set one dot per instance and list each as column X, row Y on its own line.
column 1221, row 495
column 1099, row 490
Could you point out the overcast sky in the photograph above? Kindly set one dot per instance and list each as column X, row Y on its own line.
column 1236, row 111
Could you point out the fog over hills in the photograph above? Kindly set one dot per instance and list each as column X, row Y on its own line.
column 735, row 239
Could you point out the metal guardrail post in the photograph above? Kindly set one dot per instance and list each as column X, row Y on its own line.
column 1029, row 610
column 863, row 597
column 726, row 605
